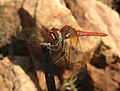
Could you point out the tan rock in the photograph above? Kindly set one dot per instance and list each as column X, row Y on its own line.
column 12, row 77
column 9, row 21
column 95, row 16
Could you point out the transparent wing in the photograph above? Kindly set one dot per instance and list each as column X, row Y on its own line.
column 34, row 36
column 74, row 46
column 74, row 54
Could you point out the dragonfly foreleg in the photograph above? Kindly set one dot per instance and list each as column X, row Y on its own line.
column 56, row 47
column 59, row 57
column 61, row 54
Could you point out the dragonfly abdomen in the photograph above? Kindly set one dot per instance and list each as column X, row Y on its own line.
column 83, row 33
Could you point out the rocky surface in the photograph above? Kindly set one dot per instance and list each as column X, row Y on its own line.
column 101, row 54
column 13, row 77
column 9, row 21
column 97, row 17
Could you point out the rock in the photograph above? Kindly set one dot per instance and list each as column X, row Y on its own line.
column 95, row 16
column 56, row 14
column 47, row 16
column 89, row 15
column 107, row 2
column 31, row 7
column 103, row 80
column 9, row 21
column 12, row 77
column 23, row 61
column 115, row 5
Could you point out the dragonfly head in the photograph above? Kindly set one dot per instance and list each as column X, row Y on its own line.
column 54, row 34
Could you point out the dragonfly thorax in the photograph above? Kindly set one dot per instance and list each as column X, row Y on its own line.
column 68, row 32
column 55, row 34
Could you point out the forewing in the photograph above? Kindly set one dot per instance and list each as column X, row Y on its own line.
column 74, row 55
column 33, row 35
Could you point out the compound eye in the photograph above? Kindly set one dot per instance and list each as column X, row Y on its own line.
column 51, row 34
column 52, row 37
column 54, row 34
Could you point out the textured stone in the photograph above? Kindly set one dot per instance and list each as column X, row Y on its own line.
column 9, row 21
column 87, row 15
column 12, row 77
column 95, row 16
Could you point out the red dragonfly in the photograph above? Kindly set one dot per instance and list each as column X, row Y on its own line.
column 64, row 41
column 68, row 32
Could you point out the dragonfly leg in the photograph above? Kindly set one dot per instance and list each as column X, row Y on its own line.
column 56, row 46
column 61, row 54
column 59, row 57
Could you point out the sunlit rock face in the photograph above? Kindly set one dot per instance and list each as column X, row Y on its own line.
column 12, row 77
column 101, row 54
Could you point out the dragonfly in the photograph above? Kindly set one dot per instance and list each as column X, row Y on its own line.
column 64, row 43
